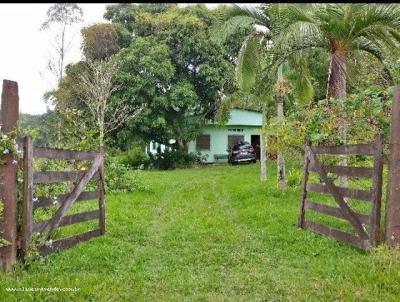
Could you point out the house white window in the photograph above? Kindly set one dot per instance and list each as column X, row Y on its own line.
column 235, row 129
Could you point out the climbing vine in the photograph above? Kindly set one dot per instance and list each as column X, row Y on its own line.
column 8, row 145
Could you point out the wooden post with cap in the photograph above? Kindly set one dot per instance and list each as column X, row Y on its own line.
column 8, row 178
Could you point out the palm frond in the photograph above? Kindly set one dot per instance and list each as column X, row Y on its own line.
column 255, row 12
column 248, row 62
column 301, row 81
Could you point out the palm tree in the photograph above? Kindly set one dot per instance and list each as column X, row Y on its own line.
column 250, row 66
column 342, row 30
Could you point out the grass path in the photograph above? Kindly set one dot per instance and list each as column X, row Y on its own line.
column 209, row 234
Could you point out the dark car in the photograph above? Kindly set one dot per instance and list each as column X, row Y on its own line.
column 242, row 152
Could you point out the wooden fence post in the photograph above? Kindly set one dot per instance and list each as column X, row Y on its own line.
column 100, row 186
column 8, row 177
column 27, row 203
column 300, row 223
column 393, row 204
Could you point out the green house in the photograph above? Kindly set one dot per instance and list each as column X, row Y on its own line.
column 214, row 140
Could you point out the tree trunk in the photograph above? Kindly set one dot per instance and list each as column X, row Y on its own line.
column 183, row 145
column 263, row 148
column 337, row 76
column 337, row 89
column 281, row 174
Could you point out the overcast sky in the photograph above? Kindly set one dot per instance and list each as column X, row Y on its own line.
column 25, row 50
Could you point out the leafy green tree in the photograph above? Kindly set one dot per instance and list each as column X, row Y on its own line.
column 174, row 67
column 125, row 13
column 145, row 70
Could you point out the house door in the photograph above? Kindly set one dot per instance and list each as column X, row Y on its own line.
column 255, row 142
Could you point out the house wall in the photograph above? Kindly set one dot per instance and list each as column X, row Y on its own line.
column 244, row 117
column 219, row 139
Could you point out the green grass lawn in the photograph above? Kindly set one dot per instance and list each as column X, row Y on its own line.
column 209, row 234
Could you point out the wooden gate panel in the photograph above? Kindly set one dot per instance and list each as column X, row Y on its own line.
column 362, row 239
column 347, row 212
column 65, row 201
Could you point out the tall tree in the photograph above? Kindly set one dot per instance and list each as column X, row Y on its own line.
column 63, row 15
column 174, row 67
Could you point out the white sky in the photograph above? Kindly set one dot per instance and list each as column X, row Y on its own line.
column 25, row 50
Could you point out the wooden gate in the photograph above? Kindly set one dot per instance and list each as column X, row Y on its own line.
column 362, row 238
column 80, row 179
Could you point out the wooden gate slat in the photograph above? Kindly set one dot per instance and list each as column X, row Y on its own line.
column 363, row 195
column 347, row 171
column 48, row 177
column 336, row 234
column 70, row 219
column 68, row 242
column 362, row 149
column 347, row 212
column 53, row 153
column 45, row 202
column 333, row 211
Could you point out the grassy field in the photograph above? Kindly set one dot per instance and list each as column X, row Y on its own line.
column 209, row 234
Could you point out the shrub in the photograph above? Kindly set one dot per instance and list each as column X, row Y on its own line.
column 120, row 178
column 135, row 158
column 363, row 114
column 171, row 159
